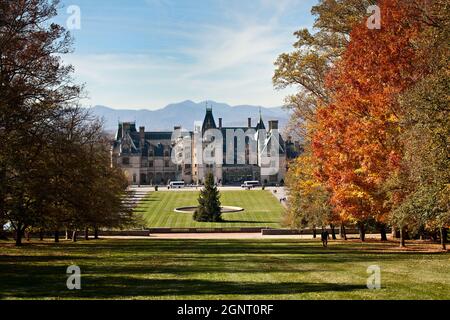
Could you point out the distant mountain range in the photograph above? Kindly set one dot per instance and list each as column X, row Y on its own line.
column 186, row 113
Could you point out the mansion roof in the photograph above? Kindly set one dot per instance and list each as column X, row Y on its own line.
column 132, row 141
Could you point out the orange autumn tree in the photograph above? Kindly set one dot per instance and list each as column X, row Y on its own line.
column 356, row 141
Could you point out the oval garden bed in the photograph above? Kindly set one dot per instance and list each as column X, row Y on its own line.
column 225, row 209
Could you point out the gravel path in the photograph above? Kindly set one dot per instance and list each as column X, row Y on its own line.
column 279, row 193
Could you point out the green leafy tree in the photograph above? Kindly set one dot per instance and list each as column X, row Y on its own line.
column 55, row 169
column 35, row 86
column 209, row 209
column 309, row 201
column 419, row 191
column 78, row 158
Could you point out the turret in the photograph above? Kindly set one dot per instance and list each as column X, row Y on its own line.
column 209, row 122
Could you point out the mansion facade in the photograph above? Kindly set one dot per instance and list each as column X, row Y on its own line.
column 157, row 157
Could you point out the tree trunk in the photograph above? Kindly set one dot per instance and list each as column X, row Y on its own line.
column 56, row 236
column 333, row 232
column 314, row 233
column 86, row 233
column 402, row 237
column 74, row 236
column 383, row 232
column 68, row 234
column 362, row 232
column 433, row 236
column 444, row 238
column 19, row 236
column 421, row 233
column 41, row 235
column 96, row 233
column 343, row 232
column 3, row 235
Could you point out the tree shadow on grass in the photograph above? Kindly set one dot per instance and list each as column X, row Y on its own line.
column 177, row 287
column 149, row 200
column 9, row 259
column 299, row 248
column 126, row 273
column 228, row 247
column 250, row 222
column 109, row 287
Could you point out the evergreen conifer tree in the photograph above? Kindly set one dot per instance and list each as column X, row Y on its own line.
column 209, row 209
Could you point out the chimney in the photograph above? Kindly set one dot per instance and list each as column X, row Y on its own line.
column 142, row 136
column 220, row 123
column 249, row 122
column 273, row 125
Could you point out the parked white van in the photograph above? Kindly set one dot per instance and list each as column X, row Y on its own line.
column 250, row 184
column 177, row 185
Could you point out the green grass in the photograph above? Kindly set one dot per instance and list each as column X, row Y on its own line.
column 261, row 210
column 220, row 269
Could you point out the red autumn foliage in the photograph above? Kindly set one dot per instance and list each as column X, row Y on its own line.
column 356, row 139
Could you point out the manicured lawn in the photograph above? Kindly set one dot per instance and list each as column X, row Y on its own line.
column 261, row 210
column 221, row 269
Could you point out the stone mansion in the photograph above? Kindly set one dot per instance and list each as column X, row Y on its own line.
column 147, row 157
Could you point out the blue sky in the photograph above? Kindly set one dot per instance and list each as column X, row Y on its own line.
column 145, row 54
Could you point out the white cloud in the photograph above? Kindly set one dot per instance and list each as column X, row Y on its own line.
column 228, row 48
column 233, row 64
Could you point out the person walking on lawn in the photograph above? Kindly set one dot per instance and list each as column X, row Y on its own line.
column 325, row 236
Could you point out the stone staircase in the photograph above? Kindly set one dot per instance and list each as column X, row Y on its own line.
column 133, row 197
